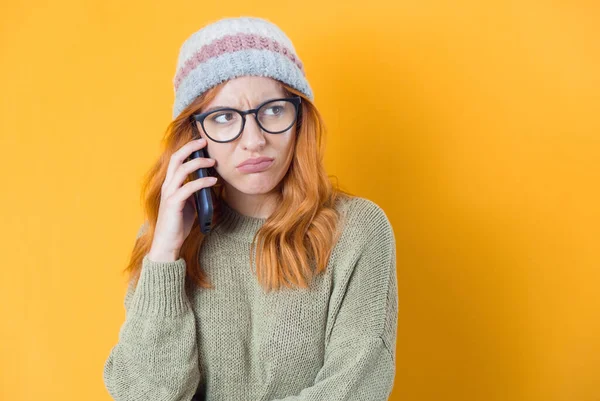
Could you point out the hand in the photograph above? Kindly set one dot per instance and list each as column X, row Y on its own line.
column 176, row 212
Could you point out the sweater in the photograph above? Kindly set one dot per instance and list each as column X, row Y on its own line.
column 334, row 341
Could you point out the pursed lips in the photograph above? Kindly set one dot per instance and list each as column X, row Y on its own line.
column 255, row 161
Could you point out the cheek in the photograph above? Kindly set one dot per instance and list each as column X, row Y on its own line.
column 288, row 146
column 200, row 131
column 285, row 141
column 220, row 154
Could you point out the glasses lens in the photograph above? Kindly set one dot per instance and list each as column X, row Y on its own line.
column 277, row 116
column 223, row 125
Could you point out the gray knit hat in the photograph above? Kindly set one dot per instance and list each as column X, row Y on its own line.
column 232, row 47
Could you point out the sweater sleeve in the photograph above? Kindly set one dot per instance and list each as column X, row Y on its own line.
column 156, row 357
column 360, row 354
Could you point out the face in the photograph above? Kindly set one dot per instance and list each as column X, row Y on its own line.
column 243, row 93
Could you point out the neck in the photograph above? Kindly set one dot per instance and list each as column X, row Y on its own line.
column 258, row 206
column 234, row 224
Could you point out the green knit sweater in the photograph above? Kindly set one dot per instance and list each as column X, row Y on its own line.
column 331, row 342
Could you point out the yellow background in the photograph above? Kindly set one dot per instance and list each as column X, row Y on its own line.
column 473, row 124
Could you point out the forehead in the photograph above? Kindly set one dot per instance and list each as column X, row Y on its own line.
column 251, row 88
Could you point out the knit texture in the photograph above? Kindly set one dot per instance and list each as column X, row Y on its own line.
column 333, row 341
column 233, row 47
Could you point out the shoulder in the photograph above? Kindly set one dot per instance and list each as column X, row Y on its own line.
column 365, row 220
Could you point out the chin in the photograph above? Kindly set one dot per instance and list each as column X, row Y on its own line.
column 252, row 184
column 256, row 186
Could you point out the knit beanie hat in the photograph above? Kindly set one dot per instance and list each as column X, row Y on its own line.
column 232, row 47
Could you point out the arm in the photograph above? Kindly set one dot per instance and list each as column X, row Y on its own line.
column 360, row 353
column 156, row 357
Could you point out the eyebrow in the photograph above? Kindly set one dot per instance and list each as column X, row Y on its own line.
column 212, row 108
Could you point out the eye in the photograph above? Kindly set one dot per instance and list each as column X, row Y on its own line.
column 222, row 117
column 276, row 109
column 273, row 110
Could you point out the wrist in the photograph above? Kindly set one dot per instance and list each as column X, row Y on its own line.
column 163, row 256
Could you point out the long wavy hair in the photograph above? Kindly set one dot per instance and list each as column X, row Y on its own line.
column 297, row 239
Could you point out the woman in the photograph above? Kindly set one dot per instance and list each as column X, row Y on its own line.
column 314, row 317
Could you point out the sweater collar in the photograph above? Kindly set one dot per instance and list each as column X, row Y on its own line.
column 237, row 225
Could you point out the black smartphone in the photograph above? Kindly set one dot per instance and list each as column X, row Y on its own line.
column 202, row 197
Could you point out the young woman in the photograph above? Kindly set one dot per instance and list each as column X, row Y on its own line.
column 293, row 293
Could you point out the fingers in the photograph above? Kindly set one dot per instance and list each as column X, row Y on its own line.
column 180, row 155
column 186, row 169
column 189, row 188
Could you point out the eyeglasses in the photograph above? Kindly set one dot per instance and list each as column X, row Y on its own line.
column 273, row 116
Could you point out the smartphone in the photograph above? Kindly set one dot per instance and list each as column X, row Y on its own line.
column 202, row 197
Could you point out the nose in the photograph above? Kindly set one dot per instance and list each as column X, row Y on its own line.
column 252, row 134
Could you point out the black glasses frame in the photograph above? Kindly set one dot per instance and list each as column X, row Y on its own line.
column 296, row 100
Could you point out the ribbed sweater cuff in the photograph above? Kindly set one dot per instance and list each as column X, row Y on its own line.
column 161, row 289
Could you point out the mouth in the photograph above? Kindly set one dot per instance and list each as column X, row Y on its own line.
column 256, row 168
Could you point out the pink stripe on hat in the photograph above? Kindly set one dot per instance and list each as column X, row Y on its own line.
column 230, row 44
column 232, row 47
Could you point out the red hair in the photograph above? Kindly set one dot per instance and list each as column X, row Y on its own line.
column 291, row 244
